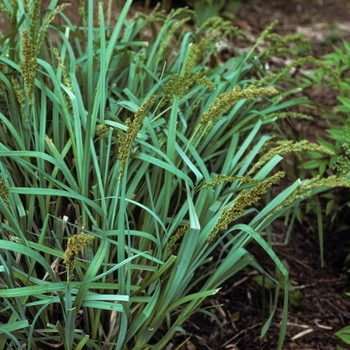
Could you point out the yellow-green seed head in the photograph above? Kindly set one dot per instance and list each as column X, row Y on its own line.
column 4, row 192
column 74, row 246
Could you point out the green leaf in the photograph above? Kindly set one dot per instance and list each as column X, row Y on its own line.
column 344, row 334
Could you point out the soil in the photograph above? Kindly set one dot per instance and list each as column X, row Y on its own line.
column 323, row 307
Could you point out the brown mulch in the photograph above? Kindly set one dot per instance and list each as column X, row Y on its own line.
column 325, row 22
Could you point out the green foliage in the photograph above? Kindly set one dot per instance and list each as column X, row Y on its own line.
column 333, row 74
column 129, row 186
column 306, row 158
column 344, row 333
column 205, row 9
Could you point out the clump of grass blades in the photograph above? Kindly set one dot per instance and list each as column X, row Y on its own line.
column 155, row 181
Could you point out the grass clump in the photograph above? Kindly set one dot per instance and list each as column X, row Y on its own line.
column 136, row 171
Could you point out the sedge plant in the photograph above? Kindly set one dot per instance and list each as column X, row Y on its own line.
column 130, row 178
